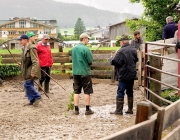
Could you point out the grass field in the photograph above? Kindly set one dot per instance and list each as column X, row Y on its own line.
column 56, row 50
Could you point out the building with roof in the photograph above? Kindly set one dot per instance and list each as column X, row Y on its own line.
column 15, row 27
column 119, row 29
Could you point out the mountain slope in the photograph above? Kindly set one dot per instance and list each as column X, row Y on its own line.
column 66, row 14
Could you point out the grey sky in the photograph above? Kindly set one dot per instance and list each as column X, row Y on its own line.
column 120, row 6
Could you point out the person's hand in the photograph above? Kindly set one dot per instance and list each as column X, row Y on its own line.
column 32, row 75
column 19, row 64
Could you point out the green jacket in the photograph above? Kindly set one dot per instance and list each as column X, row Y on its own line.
column 81, row 59
column 30, row 62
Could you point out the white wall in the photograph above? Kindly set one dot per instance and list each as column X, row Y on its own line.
column 17, row 24
column 53, row 31
column 27, row 24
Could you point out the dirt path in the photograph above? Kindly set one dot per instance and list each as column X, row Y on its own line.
column 51, row 121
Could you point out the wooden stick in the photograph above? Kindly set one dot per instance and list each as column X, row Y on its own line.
column 19, row 64
column 53, row 79
column 41, row 88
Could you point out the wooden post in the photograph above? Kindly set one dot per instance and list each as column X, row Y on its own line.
column 113, row 69
column 60, row 47
column 144, row 111
column 159, row 124
column 140, row 68
column 154, row 86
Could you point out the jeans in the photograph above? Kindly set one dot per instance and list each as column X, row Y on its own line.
column 125, row 85
column 32, row 94
column 44, row 76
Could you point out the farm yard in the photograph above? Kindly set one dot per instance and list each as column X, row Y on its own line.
column 52, row 121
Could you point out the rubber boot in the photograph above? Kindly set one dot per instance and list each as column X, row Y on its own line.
column 119, row 107
column 130, row 106
column 46, row 87
column 39, row 89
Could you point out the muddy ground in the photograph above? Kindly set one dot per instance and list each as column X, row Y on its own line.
column 52, row 121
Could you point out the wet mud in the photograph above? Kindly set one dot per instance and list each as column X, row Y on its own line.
column 51, row 120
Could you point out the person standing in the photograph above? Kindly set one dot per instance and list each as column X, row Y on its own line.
column 81, row 60
column 125, row 73
column 30, row 70
column 31, row 37
column 137, row 41
column 45, row 60
column 170, row 28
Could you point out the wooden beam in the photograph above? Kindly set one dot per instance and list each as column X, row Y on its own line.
column 172, row 114
column 144, row 110
column 141, row 131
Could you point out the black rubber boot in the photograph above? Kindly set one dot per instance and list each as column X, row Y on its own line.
column 119, row 107
column 46, row 87
column 130, row 106
column 40, row 84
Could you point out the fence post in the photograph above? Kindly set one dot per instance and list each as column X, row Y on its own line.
column 159, row 124
column 144, row 110
column 139, row 68
column 60, row 48
column 154, row 86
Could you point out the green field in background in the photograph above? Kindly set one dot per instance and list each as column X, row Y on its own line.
column 56, row 50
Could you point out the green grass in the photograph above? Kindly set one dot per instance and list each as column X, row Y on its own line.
column 12, row 51
column 70, row 30
column 56, row 50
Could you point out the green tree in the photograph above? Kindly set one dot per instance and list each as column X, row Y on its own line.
column 79, row 27
column 154, row 17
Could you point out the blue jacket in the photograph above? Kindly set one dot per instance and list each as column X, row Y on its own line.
column 169, row 30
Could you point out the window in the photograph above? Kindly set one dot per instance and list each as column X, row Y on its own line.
column 22, row 24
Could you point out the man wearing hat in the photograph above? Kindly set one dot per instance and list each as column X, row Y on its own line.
column 125, row 73
column 30, row 70
column 31, row 37
column 45, row 60
column 82, row 59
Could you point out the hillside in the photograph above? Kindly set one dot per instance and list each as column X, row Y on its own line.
column 66, row 14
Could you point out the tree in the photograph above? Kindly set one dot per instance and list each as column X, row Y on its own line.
column 79, row 27
column 154, row 17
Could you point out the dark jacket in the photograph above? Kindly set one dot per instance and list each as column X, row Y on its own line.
column 29, row 62
column 125, row 63
column 169, row 30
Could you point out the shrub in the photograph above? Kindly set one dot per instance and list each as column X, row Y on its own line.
column 166, row 94
column 9, row 70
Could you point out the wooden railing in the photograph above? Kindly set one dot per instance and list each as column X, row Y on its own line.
column 148, row 126
column 100, row 68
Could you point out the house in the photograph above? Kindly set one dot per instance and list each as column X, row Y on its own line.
column 15, row 27
column 99, row 34
column 120, row 29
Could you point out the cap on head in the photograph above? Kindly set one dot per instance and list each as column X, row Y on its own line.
column 23, row 37
column 84, row 35
column 46, row 36
column 124, row 37
column 30, row 34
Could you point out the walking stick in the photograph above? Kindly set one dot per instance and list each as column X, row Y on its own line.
column 96, row 49
column 20, row 64
column 53, row 79
column 41, row 69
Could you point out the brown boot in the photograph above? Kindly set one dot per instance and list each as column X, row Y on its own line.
column 46, row 87
column 119, row 107
column 130, row 106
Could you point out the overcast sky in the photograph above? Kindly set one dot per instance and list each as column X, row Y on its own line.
column 120, row 6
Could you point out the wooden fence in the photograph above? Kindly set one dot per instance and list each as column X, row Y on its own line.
column 100, row 68
column 152, row 127
column 148, row 126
